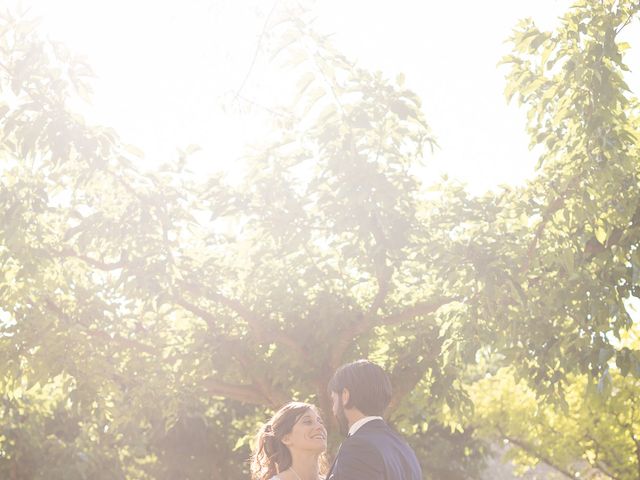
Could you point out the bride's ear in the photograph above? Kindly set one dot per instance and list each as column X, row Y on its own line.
column 286, row 440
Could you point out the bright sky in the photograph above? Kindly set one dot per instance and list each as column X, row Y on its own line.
column 167, row 70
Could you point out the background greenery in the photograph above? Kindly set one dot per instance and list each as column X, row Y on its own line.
column 151, row 319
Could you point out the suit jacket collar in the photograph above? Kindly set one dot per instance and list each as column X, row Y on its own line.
column 363, row 421
column 372, row 424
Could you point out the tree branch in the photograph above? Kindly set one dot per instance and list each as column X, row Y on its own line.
column 633, row 11
column 98, row 334
column 242, row 393
column 255, row 54
column 274, row 397
column 405, row 381
column 209, row 319
column 552, row 208
column 543, row 458
column 383, row 272
column 424, row 308
column 636, row 443
column 254, row 320
column 365, row 323
column 599, row 464
column 99, row 264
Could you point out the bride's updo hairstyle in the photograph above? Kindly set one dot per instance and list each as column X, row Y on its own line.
column 271, row 456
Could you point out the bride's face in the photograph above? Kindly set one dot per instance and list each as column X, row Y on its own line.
column 308, row 433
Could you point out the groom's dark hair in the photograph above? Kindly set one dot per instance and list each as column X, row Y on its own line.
column 368, row 385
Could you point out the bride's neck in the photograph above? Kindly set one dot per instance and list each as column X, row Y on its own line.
column 306, row 466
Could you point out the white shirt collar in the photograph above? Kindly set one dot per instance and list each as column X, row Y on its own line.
column 356, row 426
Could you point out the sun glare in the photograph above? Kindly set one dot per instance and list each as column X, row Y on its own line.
column 169, row 76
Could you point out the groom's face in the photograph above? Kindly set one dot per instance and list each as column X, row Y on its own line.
column 338, row 412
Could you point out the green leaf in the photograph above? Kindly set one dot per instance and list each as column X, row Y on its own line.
column 133, row 150
column 601, row 235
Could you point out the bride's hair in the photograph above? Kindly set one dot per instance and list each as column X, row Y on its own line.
column 271, row 456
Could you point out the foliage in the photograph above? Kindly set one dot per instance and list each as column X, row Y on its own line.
column 156, row 301
column 582, row 253
column 592, row 435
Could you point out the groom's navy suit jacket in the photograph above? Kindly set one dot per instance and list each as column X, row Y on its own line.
column 375, row 452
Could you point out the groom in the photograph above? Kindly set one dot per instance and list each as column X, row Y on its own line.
column 360, row 392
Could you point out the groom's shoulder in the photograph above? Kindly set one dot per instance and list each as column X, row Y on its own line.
column 371, row 434
column 381, row 433
column 362, row 441
column 360, row 449
column 375, row 428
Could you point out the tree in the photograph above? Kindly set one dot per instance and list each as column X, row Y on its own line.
column 161, row 306
column 592, row 436
column 568, row 308
column 581, row 248
column 157, row 308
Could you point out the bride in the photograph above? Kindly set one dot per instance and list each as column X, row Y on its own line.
column 291, row 445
